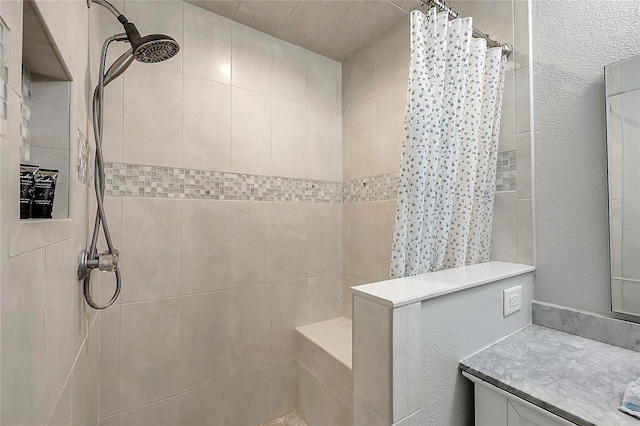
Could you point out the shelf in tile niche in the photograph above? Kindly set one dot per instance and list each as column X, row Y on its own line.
column 45, row 111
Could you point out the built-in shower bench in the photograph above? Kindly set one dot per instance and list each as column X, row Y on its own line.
column 324, row 375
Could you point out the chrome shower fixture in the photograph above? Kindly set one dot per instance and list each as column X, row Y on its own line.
column 148, row 49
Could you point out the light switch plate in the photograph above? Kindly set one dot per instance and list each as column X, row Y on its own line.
column 512, row 300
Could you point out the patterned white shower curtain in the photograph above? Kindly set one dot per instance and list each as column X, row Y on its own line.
column 447, row 182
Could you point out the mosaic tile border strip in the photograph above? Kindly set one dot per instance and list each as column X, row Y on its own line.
column 84, row 161
column 373, row 188
column 506, row 171
column 133, row 180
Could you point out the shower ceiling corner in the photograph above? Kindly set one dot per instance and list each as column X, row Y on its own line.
column 333, row 28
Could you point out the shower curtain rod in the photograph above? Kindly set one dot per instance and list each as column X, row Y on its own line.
column 442, row 7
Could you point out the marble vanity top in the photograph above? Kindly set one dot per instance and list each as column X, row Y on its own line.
column 573, row 377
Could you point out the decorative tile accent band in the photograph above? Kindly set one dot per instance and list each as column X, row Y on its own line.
column 374, row 188
column 132, row 180
column 506, row 171
column 85, row 161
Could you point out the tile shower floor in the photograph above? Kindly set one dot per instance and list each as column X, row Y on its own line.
column 290, row 419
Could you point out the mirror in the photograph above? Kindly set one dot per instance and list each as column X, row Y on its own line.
column 622, row 81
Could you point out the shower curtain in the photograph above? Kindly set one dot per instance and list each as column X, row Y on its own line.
column 447, row 181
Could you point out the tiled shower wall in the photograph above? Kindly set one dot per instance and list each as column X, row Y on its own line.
column 224, row 189
column 49, row 355
column 374, row 94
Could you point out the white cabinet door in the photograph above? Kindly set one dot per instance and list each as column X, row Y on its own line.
column 518, row 414
column 496, row 407
column 491, row 407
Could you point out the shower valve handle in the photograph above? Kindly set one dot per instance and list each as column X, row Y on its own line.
column 107, row 261
column 104, row 262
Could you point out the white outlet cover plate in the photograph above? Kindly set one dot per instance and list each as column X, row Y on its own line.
column 508, row 295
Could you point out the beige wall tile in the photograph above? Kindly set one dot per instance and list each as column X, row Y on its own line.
column 310, row 397
column 288, row 311
column 523, row 119
column 251, row 59
column 197, row 405
column 149, row 352
column 289, row 138
column 250, row 231
column 254, row 387
column 363, row 415
column 324, row 82
column 390, row 127
column 207, row 45
column 107, row 421
column 206, row 124
column 152, row 132
column 324, row 239
column 283, row 388
column 61, row 414
column 151, row 248
column 84, row 394
column 364, row 140
column 324, row 144
column 324, row 297
column 339, row 378
column 521, row 35
column 364, row 240
column 338, row 412
column 250, row 132
column 226, row 244
column 250, row 320
column 109, row 362
column 289, row 71
column 392, row 56
column 372, row 356
column 161, row 413
column 309, row 354
column 346, row 145
column 523, row 166
column 59, row 326
column 206, row 246
column 349, row 281
column 288, row 241
column 363, row 75
column 204, row 338
column 507, row 141
column 23, row 350
column 113, row 121
column 386, row 224
column 525, row 232
column 504, row 235
column 347, row 219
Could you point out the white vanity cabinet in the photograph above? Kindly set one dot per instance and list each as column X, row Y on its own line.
column 495, row 407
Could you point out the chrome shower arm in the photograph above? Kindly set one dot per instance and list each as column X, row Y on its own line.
column 109, row 6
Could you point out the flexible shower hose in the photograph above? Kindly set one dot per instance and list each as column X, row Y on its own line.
column 101, row 218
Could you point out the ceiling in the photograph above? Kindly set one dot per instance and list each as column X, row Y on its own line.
column 333, row 28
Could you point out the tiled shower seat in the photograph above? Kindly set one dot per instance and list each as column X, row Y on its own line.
column 324, row 377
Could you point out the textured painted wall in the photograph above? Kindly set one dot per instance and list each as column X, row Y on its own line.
column 447, row 397
column 572, row 42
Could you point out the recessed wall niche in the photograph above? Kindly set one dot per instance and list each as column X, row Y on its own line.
column 47, row 115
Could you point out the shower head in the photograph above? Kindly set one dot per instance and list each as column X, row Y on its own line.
column 155, row 48
column 151, row 48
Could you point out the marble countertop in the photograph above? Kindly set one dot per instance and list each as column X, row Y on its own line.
column 404, row 291
column 573, row 377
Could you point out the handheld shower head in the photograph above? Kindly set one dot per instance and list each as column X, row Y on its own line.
column 151, row 48
column 155, row 48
